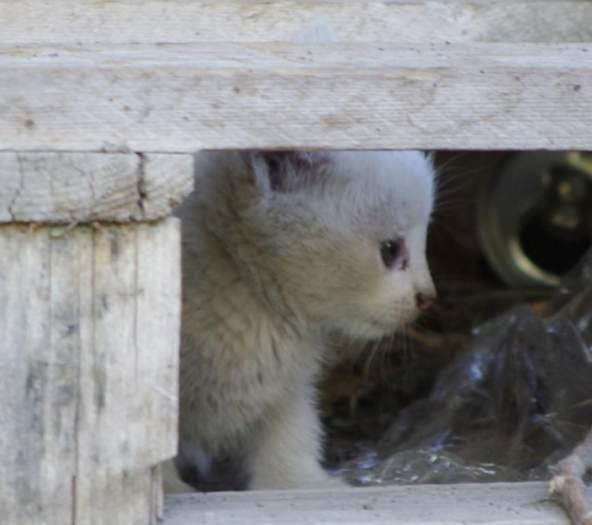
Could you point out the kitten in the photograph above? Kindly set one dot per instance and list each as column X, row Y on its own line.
column 281, row 249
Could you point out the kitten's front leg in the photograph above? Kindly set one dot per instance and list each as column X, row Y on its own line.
column 286, row 448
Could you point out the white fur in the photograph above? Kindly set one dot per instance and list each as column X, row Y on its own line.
column 276, row 255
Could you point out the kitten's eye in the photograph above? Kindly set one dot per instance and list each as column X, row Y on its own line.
column 391, row 251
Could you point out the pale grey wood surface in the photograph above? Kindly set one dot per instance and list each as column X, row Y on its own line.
column 484, row 504
column 184, row 98
column 89, row 334
column 179, row 21
column 85, row 187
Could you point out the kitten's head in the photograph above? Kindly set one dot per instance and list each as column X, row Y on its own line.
column 339, row 236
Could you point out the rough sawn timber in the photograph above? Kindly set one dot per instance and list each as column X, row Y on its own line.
column 477, row 504
column 89, row 329
column 173, row 98
column 182, row 21
column 48, row 187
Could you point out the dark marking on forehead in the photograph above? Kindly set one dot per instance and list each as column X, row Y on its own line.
column 280, row 162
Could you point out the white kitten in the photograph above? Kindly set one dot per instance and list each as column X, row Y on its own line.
column 279, row 250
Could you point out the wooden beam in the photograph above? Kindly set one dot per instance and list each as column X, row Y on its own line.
column 89, row 336
column 478, row 504
column 85, row 187
column 180, row 21
column 362, row 96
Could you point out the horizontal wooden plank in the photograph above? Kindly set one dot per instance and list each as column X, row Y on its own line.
column 182, row 21
column 86, row 187
column 477, row 504
column 184, row 98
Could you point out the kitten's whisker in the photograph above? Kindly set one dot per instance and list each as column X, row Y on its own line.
column 454, row 183
column 454, row 235
column 369, row 359
column 440, row 169
column 452, row 200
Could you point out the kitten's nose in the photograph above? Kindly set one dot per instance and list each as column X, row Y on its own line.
column 424, row 301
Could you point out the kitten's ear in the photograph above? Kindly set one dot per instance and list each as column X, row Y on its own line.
column 273, row 171
column 252, row 177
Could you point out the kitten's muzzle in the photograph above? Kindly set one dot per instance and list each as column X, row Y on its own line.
column 424, row 301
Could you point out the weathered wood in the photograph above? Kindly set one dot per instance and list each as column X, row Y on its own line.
column 86, row 187
column 117, row 498
column 185, row 98
column 181, row 21
column 482, row 504
column 88, row 355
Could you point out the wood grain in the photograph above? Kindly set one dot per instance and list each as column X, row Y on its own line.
column 88, row 354
column 85, row 187
column 366, row 96
column 182, row 21
column 479, row 504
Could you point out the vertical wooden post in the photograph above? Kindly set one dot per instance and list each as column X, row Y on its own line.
column 89, row 331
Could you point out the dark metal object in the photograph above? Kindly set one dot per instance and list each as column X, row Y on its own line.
column 535, row 216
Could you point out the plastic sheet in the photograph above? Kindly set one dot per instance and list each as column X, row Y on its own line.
column 516, row 400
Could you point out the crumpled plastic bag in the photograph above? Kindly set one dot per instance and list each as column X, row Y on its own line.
column 515, row 401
